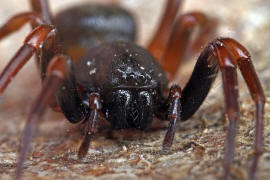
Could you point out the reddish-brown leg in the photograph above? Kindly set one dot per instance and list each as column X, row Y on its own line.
column 31, row 44
column 160, row 40
column 92, row 123
column 230, row 53
column 247, row 69
column 228, row 67
column 174, row 110
column 180, row 43
column 16, row 22
column 53, row 81
column 42, row 7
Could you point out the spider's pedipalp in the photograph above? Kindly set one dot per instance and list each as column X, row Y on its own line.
column 92, row 123
column 174, row 105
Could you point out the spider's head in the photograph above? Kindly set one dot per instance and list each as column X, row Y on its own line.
column 132, row 108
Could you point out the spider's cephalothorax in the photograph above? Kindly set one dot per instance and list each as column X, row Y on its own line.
column 132, row 86
column 91, row 70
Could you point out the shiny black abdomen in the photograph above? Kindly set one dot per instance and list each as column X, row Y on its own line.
column 83, row 27
column 87, row 26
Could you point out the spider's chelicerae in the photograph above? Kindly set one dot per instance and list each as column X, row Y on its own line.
column 91, row 69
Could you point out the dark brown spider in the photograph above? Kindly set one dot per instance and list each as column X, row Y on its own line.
column 91, row 70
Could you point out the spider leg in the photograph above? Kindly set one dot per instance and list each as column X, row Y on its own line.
column 228, row 68
column 247, row 69
column 31, row 45
column 16, row 22
column 179, row 44
column 42, row 7
column 92, row 123
column 174, row 110
column 159, row 42
column 51, row 85
column 227, row 54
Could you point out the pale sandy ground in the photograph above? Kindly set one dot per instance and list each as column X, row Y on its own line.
column 198, row 148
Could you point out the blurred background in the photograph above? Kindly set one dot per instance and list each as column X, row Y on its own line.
column 245, row 20
column 248, row 21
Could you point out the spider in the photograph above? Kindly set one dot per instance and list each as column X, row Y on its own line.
column 92, row 70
